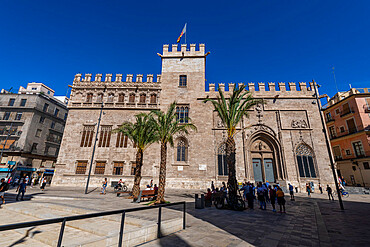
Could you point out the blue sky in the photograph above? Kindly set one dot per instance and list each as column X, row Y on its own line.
column 250, row 41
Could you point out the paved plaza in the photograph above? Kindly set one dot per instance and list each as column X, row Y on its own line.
column 313, row 221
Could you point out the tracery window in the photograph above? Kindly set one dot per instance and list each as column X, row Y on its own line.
column 110, row 97
column 87, row 136
column 153, row 99
column 131, row 98
column 121, row 98
column 99, row 99
column 105, row 134
column 182, row 114
column 142, row 98
column 221, row 160
column 182, row 149
column 121, row 140
column 89, row 97
column 305, row 161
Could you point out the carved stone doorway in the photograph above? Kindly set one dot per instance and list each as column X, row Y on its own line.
column 263, row 160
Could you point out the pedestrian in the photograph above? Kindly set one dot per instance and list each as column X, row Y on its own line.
column 27, row 179
column 245, row 190
column 266, row 192
column 33, row 182
column 4, row 186
column 261, row 196
column 250, row 196
column 291, row 192
column 43, row 184
column 308, row 189
column 320, row 188
column 280, row 200
column 105, row 182
column 272, row 198
column 330, row 194
column 213, row 187
column 22, row 188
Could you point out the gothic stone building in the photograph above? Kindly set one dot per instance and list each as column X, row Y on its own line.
column 281, row 141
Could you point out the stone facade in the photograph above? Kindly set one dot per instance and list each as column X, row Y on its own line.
column 267, row 142
column 32, row 133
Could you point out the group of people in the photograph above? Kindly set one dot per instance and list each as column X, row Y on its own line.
column 21, row 184
column 264, row 193
column 121, row 183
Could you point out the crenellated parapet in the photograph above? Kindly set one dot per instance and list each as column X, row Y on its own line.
column 80, row 81
column 183, row 50
column 270, row 89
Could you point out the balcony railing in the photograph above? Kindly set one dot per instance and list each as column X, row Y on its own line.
column 347, row 111
column 331, row 119
column 350, row 131
column 367, row 108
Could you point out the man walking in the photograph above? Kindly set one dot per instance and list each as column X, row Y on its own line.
column 329, row 190
column 320, row 188
column 21, row 189
column 3, row 187
column 291, row 192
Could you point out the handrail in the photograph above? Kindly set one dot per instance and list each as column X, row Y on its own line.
column 93, row 215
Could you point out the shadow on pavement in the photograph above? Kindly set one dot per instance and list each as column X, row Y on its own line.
column 300, row 226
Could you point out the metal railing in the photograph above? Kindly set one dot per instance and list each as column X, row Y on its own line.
column 63, row 220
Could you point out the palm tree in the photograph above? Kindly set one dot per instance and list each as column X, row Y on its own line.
column 231, row 111
column 142, row 133
column 167, row 125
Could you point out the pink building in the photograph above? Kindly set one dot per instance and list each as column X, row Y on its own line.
column 347, row 116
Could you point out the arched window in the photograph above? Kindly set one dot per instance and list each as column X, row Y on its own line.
column 121, row 98
column 182, row 114
column 99, row 99
column 110, row 97
column 182, row 149
column 89, row 97
column 153, row 99
column 305, row 161
column 142, row 98
column 131, row 99
column 221, row 160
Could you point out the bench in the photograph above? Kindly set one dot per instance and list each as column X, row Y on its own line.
column 146, row 194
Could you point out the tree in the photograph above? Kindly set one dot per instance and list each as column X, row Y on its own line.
column 231, row 111
column 142, row 133
column 167, row 125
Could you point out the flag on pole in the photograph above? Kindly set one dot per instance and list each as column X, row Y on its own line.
column 182, row 33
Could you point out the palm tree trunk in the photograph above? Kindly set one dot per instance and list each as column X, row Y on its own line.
column 230, row 159
column 139, row 164
column 162, row 174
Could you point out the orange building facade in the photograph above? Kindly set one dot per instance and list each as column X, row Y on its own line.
column 347, row 116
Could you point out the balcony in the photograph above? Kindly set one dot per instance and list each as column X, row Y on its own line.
column 347, row 112
column 338, row 158
column 347, row 132
column 329, row 120
column 367, row 108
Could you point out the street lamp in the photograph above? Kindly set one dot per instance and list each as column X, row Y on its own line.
column 328, row 146
column 96, row 138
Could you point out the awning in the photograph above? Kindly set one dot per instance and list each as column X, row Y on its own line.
column 49, row 172
column 5, row 170
column 26, row 169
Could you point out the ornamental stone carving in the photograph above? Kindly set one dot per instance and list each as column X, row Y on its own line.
column 299, row 124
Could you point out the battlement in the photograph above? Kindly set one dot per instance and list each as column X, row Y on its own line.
column 108, row 78
column 268, row 88
column 185, row 50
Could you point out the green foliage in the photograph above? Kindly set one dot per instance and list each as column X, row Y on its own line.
column 142, row 133
column 167, row 125
column 232, row 110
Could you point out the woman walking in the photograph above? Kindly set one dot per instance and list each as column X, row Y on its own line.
column 280, row 199
column 105, row 182
column 308, row 189
column 272, row 197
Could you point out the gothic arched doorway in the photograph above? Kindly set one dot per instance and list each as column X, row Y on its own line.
column 265, row 159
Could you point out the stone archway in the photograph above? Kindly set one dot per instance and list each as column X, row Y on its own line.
column 264, row 162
